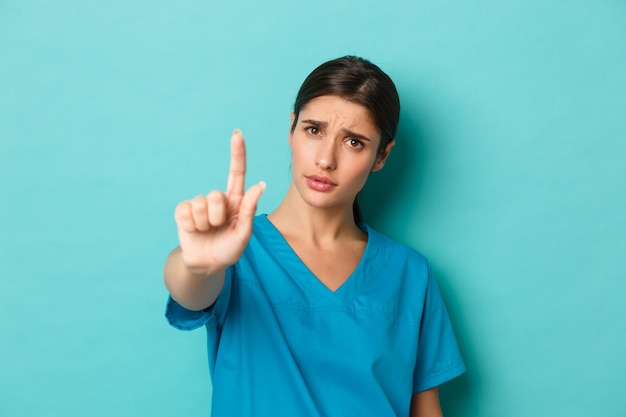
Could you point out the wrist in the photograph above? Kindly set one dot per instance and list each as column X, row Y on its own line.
column 203, row 272
column 198, row 268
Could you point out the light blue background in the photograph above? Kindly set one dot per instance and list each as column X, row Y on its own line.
column 508, row 174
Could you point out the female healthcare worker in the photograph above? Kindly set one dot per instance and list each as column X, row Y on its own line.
column 308, row 311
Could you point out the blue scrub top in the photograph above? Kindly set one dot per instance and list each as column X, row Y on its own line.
column 281, row 343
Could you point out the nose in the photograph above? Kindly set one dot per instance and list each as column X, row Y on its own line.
column 325, row 158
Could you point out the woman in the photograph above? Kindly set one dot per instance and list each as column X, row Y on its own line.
column 308, row 311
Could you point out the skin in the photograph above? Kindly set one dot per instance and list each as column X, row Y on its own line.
column 338, row 140
column 426, row 404
column 333, row 142
column 213, row 231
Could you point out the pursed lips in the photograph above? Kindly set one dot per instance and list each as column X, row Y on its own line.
column 320, row 183
column 321, row 179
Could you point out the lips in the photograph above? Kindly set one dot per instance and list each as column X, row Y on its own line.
column 320, row 183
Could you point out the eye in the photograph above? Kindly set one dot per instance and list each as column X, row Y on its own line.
column 355, row 143
column 312, row 130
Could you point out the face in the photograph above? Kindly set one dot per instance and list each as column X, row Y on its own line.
column 334, row 148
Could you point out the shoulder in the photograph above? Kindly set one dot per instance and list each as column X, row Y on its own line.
column 401, row 277
column 394, row 251
column 265, row 243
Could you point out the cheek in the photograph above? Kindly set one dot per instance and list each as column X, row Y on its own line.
column 361, row 170
column 297, row 155
column 302, row 149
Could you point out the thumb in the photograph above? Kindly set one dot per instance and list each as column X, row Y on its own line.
column 247, row 209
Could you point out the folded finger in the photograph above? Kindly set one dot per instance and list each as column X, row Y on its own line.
column 216, row 208
column 183, row 217
column 199, row 213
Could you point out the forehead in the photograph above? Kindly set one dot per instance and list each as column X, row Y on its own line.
column 341, row 113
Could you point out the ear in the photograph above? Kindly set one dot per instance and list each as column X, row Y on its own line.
column 380, row 160
column 291, row 126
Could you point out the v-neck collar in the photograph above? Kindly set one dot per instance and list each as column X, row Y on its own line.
column 365, row 270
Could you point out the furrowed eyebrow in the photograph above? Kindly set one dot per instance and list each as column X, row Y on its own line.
column 356, row 135
column 346, row 132
column 315, row 123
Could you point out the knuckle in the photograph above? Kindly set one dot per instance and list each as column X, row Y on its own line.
column 216, row 199
column 199, row 205
column 182, row 210
column 188, row 226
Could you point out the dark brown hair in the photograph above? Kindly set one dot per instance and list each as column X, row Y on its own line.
column 359, row 81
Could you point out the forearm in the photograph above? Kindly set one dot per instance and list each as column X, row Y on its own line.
column 193, row 291
column 426, row 404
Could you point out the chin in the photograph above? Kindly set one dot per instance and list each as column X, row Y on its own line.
column 325, row 203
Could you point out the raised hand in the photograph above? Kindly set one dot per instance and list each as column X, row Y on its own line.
column 213, row 230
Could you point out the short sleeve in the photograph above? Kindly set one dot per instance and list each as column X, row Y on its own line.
column 183, row 319
column 438, row 357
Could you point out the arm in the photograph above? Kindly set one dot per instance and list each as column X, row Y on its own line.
column 426, row 404
column 194, row 291
column 213, row 232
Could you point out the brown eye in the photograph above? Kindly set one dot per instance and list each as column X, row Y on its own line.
column 355, row 143
column 312, row 130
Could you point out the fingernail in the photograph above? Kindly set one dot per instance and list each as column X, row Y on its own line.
column 263, row 185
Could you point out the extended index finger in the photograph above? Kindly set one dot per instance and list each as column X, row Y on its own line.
column 237, row 174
